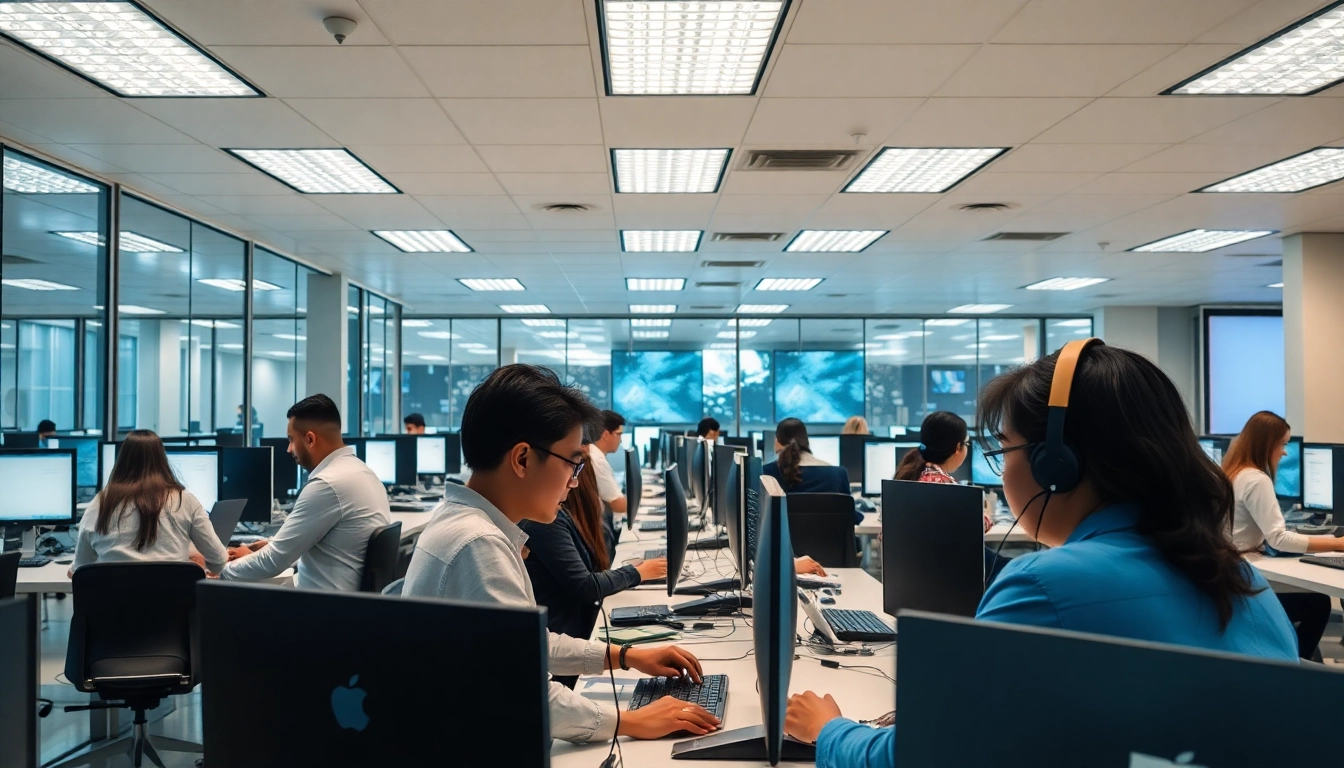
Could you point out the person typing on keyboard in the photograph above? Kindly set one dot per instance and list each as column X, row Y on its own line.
column 522, row 438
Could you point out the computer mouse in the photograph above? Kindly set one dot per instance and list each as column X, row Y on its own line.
column 827, row 600
column 65, row 560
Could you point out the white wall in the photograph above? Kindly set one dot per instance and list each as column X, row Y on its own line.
column 1313, row 314
column 1164, row 335
column 273, row 389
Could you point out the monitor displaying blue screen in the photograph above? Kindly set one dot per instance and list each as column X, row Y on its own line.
column 86, row 457
column 818, row 387
column 657, row 387
column 981, row 472
column 1288, row 480
column 1245, row 369
column 947, row 381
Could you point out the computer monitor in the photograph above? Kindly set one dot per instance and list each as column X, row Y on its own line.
column 21, row 440
column 454, row 453
column 678, row 526
column 1288, row 480
column 897, row 431
column 86, row 457
column 634, row 487
column 352, row 702
column 107, row 458
column 381, row 456
column 654, row 453
column 1318, row 475
column 826, row 448
column 721, row 492
column 198, row 470
column 852, row 454
column 431, row 454
column 246, row 473
column 408, row 458
column 1100, row 701
column 683, row 452
column 18, row 683
column 737, row 442
column 751, row 517
column 982, row 473
column 642, row 436
column 231, row 437
column 1212, row 449
column 38, row 486
column 699, row 468
column 880, row 458
column 284, row 469
column 933, row 547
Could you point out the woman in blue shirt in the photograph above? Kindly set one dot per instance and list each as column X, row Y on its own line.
column 1138, row 549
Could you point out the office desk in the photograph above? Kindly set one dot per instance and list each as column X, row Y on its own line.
column 872, row 525
column 1294, row 573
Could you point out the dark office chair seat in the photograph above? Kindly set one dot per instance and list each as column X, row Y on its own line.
column 9, row 573
column 381, row 559
column 133, row 642
column 822, row 525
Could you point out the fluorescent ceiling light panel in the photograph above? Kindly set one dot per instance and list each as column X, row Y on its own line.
column 788, row 283
column 661, row 240
column 214, row 324
column 416, row 323
column 650, row 334
column 736, row 334
column 834, row 240
column 472, row 345
column 234, row 284
column 1079, row 322
column 723, row 345
column 231, row 345
column 437, row 335
column 1274, row 285
column 669, row 171
column 31, row 179
column 432, row 358
column 1303, row 59
column 290, row 336
column 1313, row 168
column 654, row 283
column 760, row 309
column 653, row 309
column 36, row 285
column 651, row 322
column 424, row 240
column 280, row 353
column 1001, row 337
column 557, row 335
column 945, row 322
column 1202, row 240
column 132, row 309
column 978, row 309
column 121, row 47
column 927, row 170
column 961, row 357
column 1066, row 284
column 317, row 171
column 749, row 322
column 492, row 283
column 525, row 309
column 539, row 322
column 687, row 48
column 130, row 242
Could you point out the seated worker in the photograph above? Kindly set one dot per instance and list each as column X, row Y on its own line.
column 855, row 425
column 798, row 471
column 144, row 514
column 45, row 428
column 414, row 423
column 709, row 429
column 1147, row 505
column 612, row 427
column 342, row 504
column 522, row 437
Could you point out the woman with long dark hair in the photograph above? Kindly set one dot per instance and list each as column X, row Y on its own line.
column 797, row 470
column 1138, row 548
column 942, row 450
column 144, row 513
column 1251, row 463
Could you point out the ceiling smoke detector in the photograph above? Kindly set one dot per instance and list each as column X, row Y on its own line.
column 339, row 27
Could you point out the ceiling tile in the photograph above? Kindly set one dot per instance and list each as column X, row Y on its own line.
column 380, row 211
column 785, row 182
column 243, row 205
column 89, row 121
column 683, row 121
column 246, row 183
column 1051, row 70
column 446, row 183
column 265, row 22
column 471, row 22
column 334, row 71
column 503, row 71
column 901, row 21
column 461, row 209
column 864, row 70
column 418, row 158
column 324, row 222
column 237, row 122
column 1105, row 21
column 1148, row 183
column 527, row 121
column 1159, row 120
column 552, row 184
column 544, row 159
column 29, row 76
column 1073, row 158
column 764, row 204
column 981, row 122
column 994, row 185
column 152, row 158
column 380, row 121
column 825, row 121
column 1307, row 123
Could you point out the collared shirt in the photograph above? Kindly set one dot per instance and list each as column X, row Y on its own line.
column 1257, row 519
column 607, row 487
column 183, row 522
column 471, row 551
column 328, row 531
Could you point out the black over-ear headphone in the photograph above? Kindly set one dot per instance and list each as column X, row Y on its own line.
column 1054, row 465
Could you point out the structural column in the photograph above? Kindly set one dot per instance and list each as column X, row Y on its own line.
column 1313, row 320
column 328, row 334
column 1164, row 335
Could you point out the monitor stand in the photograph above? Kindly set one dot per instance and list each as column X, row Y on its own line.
column 22, row 538
column 741, row 744
column 709, row 587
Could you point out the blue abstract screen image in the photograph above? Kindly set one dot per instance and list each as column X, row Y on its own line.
column 758, row 397
column 657, row 387
column 818, row 387
column 1288, row 480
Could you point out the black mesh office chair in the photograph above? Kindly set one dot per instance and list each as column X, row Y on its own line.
column 9, row 573
column 382, row 559
column 822, row 525
column 133, row 642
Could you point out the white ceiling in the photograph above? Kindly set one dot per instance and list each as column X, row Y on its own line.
column 484, row 112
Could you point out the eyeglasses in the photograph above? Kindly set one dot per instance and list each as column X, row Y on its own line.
column 995, row 458
column 578, row 466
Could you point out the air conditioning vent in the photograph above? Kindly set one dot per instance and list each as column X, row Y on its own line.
column 798, row 159
column 566, row 207
column 719, row 285
column 10, row 258
column 984, row 207
column 1027, row 236
column 746, row 237
column 707, row 307
column 732, row 264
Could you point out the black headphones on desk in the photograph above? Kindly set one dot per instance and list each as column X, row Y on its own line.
column 1054, row 465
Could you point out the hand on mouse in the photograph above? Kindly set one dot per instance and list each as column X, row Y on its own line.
column 805, row 565
column 807, row 714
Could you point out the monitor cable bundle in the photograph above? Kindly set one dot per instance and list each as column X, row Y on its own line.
column 612, row 760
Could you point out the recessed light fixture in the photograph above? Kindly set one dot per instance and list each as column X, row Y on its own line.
column 1202, row 240
column 525, row 309
column 661, row 240
column 431, row 358
column 653, row 309
column 668, row 171
column 437, row 335
column 1077, row 322
column 1298, row 61
column 723, row 345
column 962, row 357
column 416, row 323
column 945, row 322
column 491, row 283
column 481, row 351
column 280, row 353
column 749, row 322
column 317, row 171
column 687, row 48
column 29, row 284
column 833, row 240
column 289, row 336
column 133, row 309
column 1274, row 285
column 201, row 323
column 1066, row 283
column 234, row 284
column 543, row 322
column 978, row 309
column 230, row 345
column 976, row 346
column 424, row 240
column 788, row 283
column 130, row 242
column 736, row 334
column 916, row 169
column 557, row 335
column 32, row 179
column 650, row 334
column 472, row 345
column 760, row 309
column 900, row 336
column 121, row 47
column 1313, row 168
column 654, row 283
column 651, row 322
column 1001, row 337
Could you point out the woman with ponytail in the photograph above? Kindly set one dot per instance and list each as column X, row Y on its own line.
column 942, row 450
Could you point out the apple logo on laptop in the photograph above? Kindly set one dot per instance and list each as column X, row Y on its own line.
column 347, row 704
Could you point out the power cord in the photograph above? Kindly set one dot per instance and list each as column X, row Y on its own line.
column 612, row 760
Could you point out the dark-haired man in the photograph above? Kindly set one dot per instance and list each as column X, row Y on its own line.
column 609, row 441
column 522, row 436
column 708, row 429
column 339, row 508
column 414, row 423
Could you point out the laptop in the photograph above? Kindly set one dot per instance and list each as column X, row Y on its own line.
column 322, row 679
column 224, row 517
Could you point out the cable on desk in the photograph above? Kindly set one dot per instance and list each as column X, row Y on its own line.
column 833, row 664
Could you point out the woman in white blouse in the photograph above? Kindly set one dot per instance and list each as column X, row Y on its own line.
column 1251, row 463
column 145, row 514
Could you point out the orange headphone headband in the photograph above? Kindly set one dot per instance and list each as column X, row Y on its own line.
column 1065, row 365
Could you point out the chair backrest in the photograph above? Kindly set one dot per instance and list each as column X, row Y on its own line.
column 823, row 524
column 9, row 573
column 380, row 560
column 134, row 621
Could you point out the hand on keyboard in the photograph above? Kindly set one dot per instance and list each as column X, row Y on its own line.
column 666, row 716
column 668, row 661
column 652, row 569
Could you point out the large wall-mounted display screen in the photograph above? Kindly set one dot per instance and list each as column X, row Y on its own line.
column 1244, row 369
column 818, row 387
column 658, row 387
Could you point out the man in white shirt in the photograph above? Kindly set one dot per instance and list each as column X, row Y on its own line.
column 340, row 507
column 613, row 427
column 522, row 438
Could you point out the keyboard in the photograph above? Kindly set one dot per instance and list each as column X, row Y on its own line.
column 1328, row 562
column 34, row 562
column 639, row 615
column 712, row 694
column 661, row 525
column 861, row 626
column 654, row 554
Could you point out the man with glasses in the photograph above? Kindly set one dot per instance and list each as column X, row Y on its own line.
column 522, row 437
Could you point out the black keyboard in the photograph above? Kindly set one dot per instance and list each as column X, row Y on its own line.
column 654, row 554
column 640, row 615
column 34, row 562
column 1328, row 562
column 661, row 525
column 712, row 694
column 857, row 626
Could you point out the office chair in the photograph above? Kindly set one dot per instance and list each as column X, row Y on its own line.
column 381, row 559
column 133, row 642
column 825, row 522
column 9, row 573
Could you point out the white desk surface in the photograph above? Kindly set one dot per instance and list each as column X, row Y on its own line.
column 1294, row 573
column 872, row 525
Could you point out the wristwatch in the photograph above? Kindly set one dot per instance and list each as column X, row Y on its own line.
column 624, row 648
